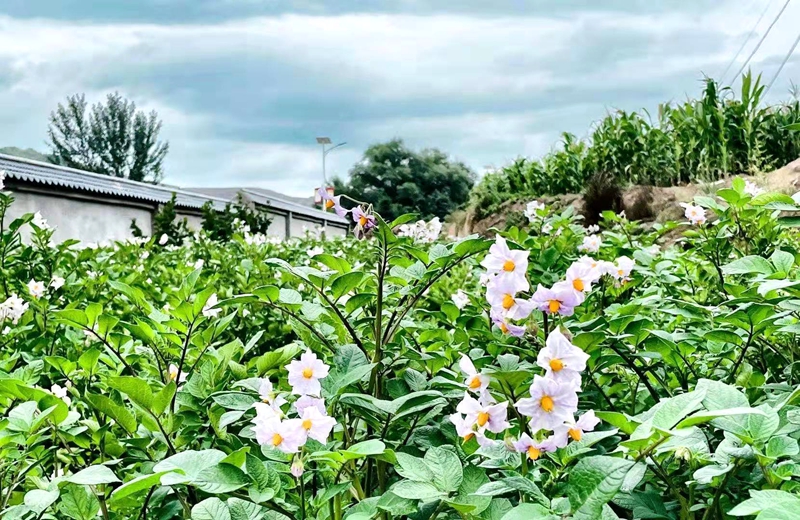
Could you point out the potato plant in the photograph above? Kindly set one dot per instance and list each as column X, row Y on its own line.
column 553, row 371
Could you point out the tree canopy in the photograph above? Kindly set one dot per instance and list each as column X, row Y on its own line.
column 397, row 180
column 113, row 138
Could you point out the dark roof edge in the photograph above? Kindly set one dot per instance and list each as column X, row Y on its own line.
column 299, row 209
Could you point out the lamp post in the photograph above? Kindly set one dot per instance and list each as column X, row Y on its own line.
column 324, row 141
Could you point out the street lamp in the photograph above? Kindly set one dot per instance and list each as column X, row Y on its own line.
column 324, row 141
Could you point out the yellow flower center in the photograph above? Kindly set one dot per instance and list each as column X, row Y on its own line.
column 503, row 328
column 277, row 439
column 483, row 418
column 556, row 365
column 554, row 306
column 533, row 452
column 362, row 220
column 547, row 404
column 307, row 424
column 468, row 436
column 308, row 373
column 577, row 283
column 575, row 433
column 475, row 383
column 173, row 375
column 508, row 301
column 620, row 272
column 329, row 204
column 509, row 266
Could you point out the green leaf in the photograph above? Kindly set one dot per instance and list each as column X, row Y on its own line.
column 93, row 475
column 191, row 463
column 244, row 510
column 748, row 265
column 135, row 388
column 413, row 468
column 115, row 411
column 290, row 297
column 593, row 482
column 782, row 260
column 78, row 503
column 704, row 417
column 163, row 398
column 446, row 468
column 211, row 509
column 137, row 485
column 364, row 449
column 761, row 500
column 416, row 490
column 263, row 477
column 220, row 478
column 670, row 411
column 344, row 283
column 529, row 512
column 781, row 446
column 39, row 499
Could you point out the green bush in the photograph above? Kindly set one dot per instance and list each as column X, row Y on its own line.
column 694, row 141
column 393, row 378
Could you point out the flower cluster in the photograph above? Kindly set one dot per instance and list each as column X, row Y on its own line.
column 507, row 275
column 553, row 399
column 271, row 425
column 550, row 408
column 695, row 214
column 13, row 309
column 365, row 221
column 422, row 231
column 533, row 211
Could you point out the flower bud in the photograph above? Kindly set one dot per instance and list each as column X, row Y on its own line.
column 684, row 453
column 297, row 468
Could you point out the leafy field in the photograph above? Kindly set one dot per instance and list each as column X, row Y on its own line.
column 698, row 140
column 555, row 372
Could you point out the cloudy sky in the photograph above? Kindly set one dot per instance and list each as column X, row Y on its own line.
column 244, row 86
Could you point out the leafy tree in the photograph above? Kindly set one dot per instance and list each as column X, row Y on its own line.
column 166, row 222
column 113, row 138
column 221, row 225
column 396, row 180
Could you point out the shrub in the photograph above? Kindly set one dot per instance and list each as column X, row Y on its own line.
column 602, row 193
column 551, row 372
column 236, row 217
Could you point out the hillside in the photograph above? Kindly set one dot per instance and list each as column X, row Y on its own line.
column 646, row 203
column 27, row 153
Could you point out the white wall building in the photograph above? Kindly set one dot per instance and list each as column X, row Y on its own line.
column 91, row 208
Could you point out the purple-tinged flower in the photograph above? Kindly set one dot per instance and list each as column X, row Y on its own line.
column 501, row 296
column 561, row 299
column 365, row 222
column 551, row 403
column 562, row 360
column 505, row 326
column 575, row 429
column 331, row 202
column 486, row 416
column 507, row 265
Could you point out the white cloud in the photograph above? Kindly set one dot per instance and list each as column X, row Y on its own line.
column 484, row 89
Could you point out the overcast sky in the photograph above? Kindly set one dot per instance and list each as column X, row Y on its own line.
column 244, row 86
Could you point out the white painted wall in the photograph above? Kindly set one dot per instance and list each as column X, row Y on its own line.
column 83, row 220
column 194, row 222
column 277, row 228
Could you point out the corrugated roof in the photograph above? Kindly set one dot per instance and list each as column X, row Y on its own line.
column 53, row 175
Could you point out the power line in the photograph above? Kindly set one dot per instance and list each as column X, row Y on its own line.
column 764, row 37
column 785, row 59
column 745, row 42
